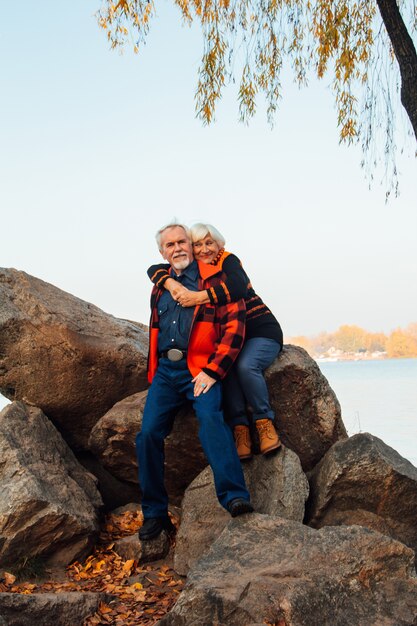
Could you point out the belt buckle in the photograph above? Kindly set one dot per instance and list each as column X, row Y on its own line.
column 174, row 354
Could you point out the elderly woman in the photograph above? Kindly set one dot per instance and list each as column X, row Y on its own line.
column 245, row 384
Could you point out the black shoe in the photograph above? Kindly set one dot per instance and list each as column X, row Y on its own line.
column 153, row 526
column 238, row 506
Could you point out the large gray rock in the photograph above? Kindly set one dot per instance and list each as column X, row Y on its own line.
column 363, row 481
column 45, row 609
column 113, row 441
column 48, row 503
column 307, row 411
column 143, row 551
column 114, row 492
column 264, row 569
column 277, row 486
column 64, row 355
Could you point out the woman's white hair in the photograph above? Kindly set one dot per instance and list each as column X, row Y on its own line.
column 173, row 224
column 199, row 231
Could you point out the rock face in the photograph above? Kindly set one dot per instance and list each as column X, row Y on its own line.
column 48, row 502
column 114, row 492
column 113, row 441
column 307, row 411
column 363, row 481
column 143, row 551
column 65, row 355
column 44, row 609
column 277, row 486
column 271, row 570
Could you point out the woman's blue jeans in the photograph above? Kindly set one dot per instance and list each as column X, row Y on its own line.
column 169, row 390
column 245, row 383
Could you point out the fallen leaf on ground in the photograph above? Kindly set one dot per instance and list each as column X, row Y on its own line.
column 138, row 603
column 9, row 579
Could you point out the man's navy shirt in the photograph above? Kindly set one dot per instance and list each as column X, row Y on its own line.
column 175, row 320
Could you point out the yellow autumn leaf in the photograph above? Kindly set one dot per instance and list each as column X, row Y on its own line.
column 136, row 586
column 128, row 565
column 99, row 565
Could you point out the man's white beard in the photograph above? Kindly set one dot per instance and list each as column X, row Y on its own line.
column 181, row 264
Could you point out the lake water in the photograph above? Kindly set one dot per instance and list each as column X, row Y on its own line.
column 379, row 397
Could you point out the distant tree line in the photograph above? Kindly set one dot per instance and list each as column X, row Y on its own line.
column 400, row 343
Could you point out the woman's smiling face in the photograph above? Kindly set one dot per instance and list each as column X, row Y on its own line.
column 206, row 249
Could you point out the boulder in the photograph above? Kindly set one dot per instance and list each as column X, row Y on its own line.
column 112, row 440
column 114, row 492
column 64, row 355
column 44, row 609
column 363, row 481
column 143, row 551
column 265, row 569
column 307, row 412
column 277, row 486
column 48, row 502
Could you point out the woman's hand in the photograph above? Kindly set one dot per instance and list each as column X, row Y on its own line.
column 192, row 298
column 184, row 296
column 175, row 288
column 202, row 383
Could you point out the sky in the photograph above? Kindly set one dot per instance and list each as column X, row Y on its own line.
column 99, row 149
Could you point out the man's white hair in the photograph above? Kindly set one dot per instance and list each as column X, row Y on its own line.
column 173, row 224
column 199, row 231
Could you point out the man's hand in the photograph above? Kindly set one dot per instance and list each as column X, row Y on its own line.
column 192, row 298
column 202, row 383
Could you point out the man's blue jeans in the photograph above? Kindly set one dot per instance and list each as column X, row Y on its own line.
column 245, row 383
column 170, row 388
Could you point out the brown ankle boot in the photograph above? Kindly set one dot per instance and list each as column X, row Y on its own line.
column 268, row 436
column 243, row 442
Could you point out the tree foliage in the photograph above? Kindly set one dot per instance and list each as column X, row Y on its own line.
column 352, row 340
column 356, row 43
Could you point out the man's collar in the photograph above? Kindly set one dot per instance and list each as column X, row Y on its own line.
column 191, row 271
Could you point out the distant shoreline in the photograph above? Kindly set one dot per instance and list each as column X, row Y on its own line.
column 358, row 357
column 352, row 343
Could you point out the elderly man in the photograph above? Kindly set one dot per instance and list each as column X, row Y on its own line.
column 191, row 349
